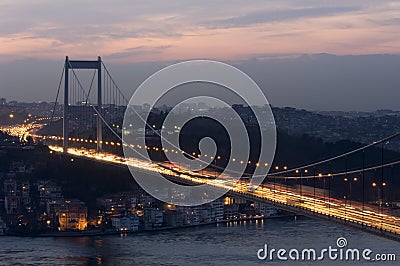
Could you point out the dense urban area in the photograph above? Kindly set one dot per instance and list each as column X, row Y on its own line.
column 36, row 198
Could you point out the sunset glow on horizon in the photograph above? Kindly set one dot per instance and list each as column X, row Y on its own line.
column 137, row 31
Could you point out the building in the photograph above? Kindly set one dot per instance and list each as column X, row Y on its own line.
column 126, row 223
column 68, row 214
column 118, row 204
column 191, row 215
column 19, row 167
column 231, row 211
column 264, row 209
column 212, row 212
column 152, row 218
column 145, row 200
column 48, row 190
column 217, row 210
column 16, row 195
column 173, row 218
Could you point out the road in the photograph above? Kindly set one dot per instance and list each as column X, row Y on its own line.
column 365, row 215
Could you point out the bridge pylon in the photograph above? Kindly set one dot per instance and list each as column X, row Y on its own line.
column 79, row 64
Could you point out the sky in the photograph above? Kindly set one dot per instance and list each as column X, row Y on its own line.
column 143, row 36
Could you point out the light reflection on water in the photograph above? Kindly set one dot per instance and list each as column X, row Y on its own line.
column 234, row 243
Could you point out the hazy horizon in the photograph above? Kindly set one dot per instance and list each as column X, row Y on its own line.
column 319, row 82
column 317, row 55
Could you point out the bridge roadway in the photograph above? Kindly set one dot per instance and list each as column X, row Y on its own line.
column 365, row 217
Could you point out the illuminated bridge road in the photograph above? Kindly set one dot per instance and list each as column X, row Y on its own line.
column 367, row 217
column 105, row 115
column 373, row 219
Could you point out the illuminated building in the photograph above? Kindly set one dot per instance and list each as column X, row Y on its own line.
column 70, row 214
column 126, row 224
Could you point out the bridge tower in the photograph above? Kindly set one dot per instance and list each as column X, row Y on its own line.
column 78, row 64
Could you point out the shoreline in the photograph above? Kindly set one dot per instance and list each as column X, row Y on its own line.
column 95, row 232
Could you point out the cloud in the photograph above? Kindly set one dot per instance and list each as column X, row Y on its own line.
column 139, row 51
column 214, row 29
column 267, row 16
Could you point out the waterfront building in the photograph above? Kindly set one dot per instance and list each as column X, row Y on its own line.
column 173, row 218
column 152, row 218
column 191, row 215
column 126, row 224
column 117, row 204
column 265, row 210
column 71, row 214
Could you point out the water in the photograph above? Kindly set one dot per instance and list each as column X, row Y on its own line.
column 234, row 243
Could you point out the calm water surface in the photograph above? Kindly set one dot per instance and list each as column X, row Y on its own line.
column 226, row 244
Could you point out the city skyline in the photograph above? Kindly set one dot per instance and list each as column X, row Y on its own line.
column 199, row 132
column 322, row 82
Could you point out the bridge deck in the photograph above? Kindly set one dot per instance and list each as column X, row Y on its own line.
column 363, row 217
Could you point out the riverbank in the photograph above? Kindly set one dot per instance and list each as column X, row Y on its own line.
column 104, row 232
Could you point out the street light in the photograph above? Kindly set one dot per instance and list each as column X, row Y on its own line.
column 320, row 175
column 286, row 181
column 301, row 190
column 276, row 168
column 383, row 185
column 355, row 179
column 375, row 185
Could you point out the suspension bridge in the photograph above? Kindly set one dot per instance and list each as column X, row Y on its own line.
column 90, row 127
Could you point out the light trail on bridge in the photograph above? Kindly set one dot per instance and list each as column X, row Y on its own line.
column 368, row 217
column 359, row 215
